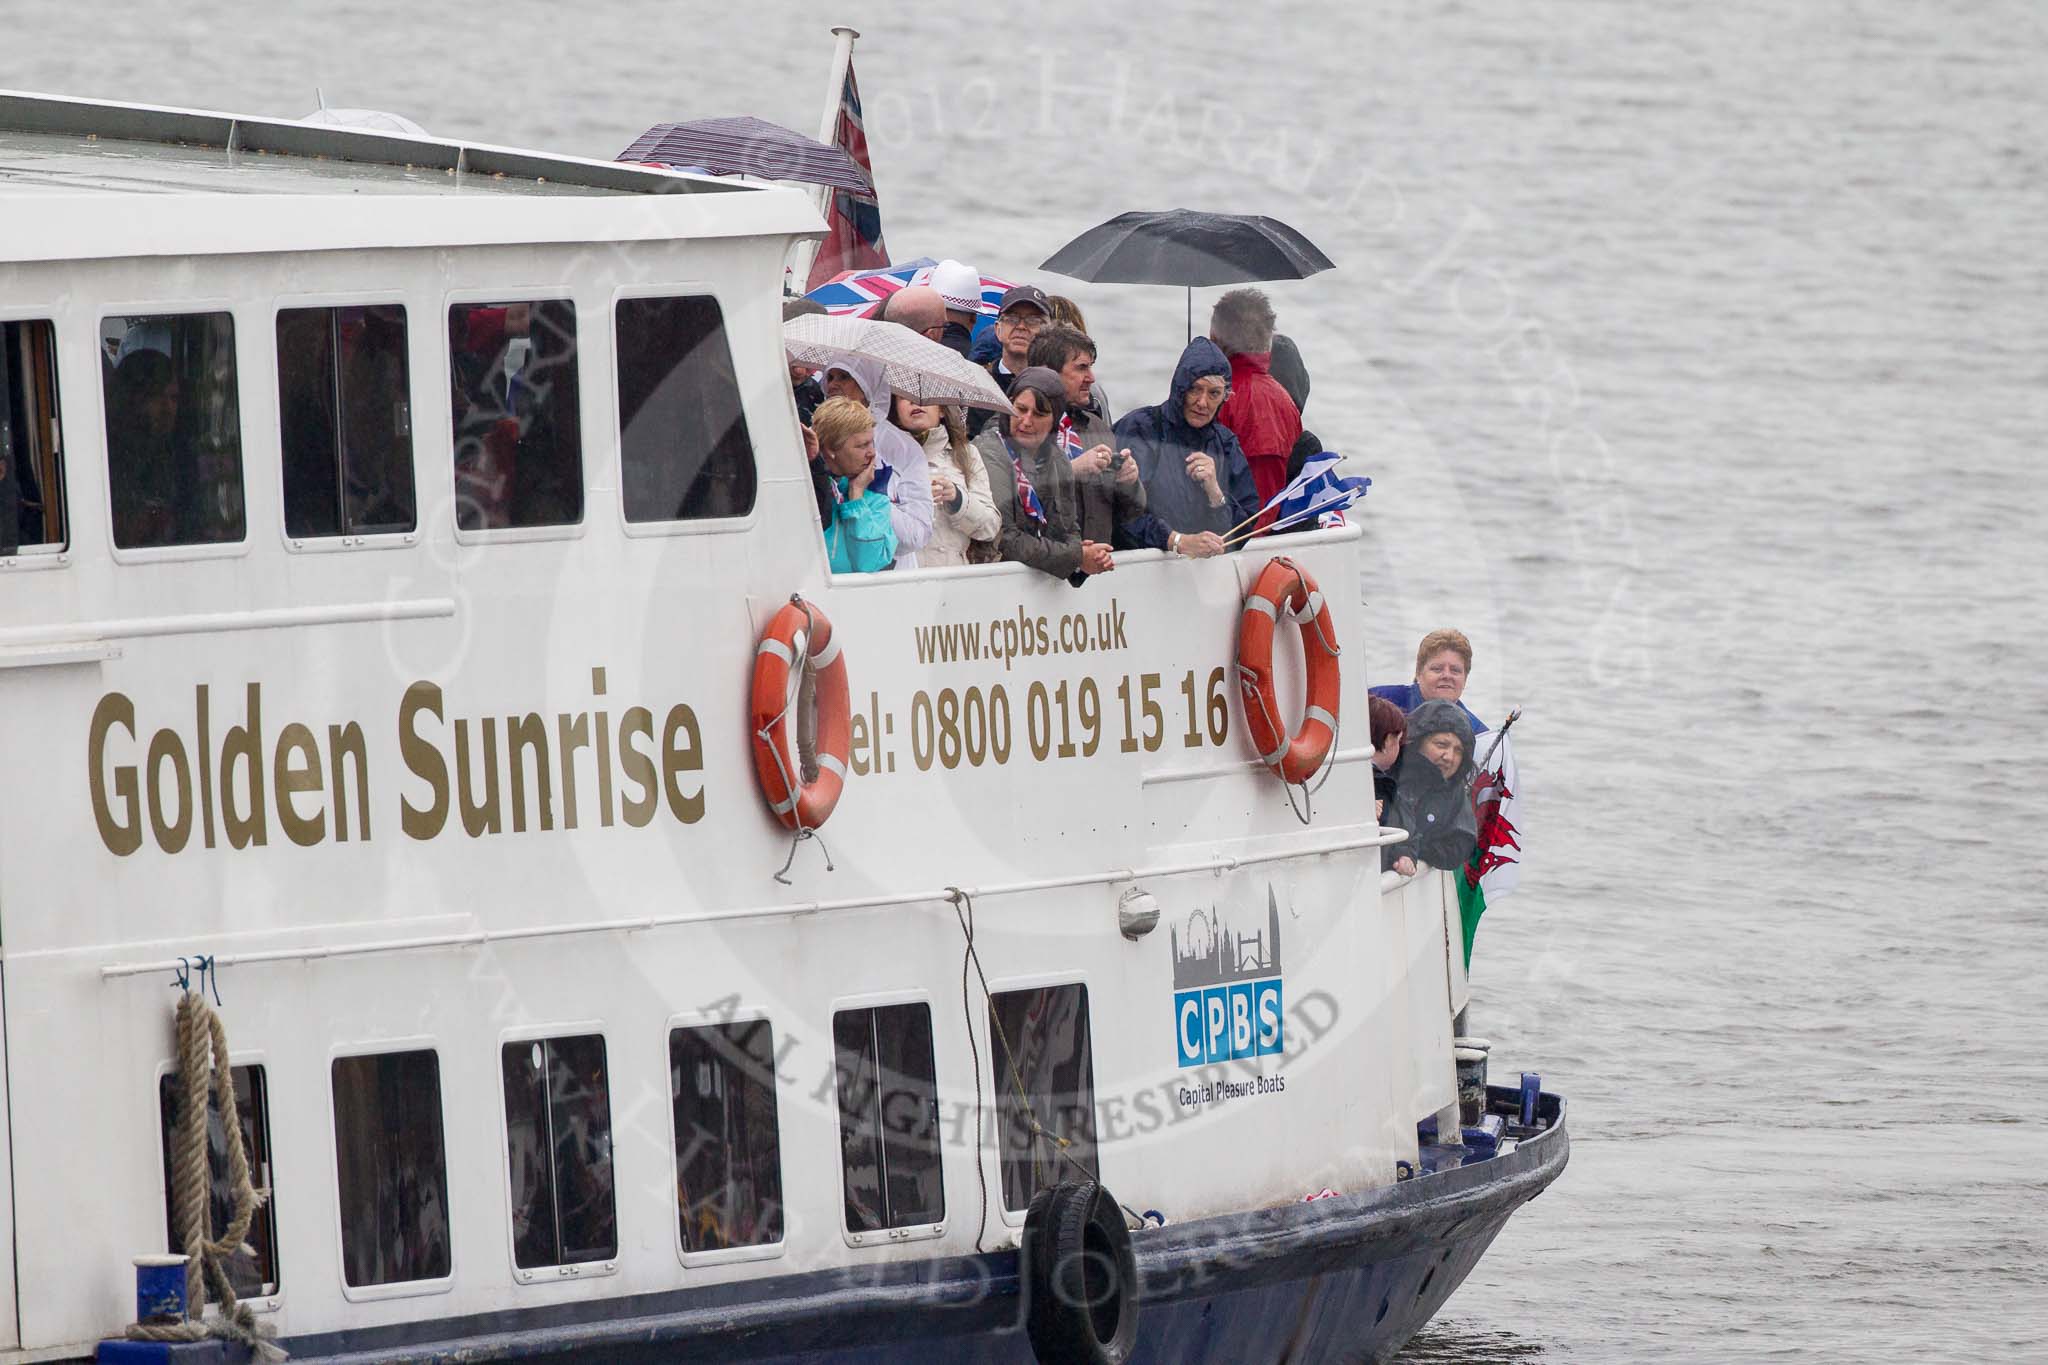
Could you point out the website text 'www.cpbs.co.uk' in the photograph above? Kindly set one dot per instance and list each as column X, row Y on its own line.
column 1023, row 636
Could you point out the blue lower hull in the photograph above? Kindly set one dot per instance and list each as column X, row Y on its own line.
column 1348, row 1279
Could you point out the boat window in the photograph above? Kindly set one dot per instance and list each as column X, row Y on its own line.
column 174, row 429
column 518, row 439
column 31, row 455
column 558, row 1129
column 728, row 1153
column 345, row 420
column 391, row 1168
column 888, row 1117
column 682, row 433
column 1043, row 1035
column 254, row 1273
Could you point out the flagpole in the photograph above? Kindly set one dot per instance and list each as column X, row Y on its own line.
column 1501, row 734
column 828, row 124
column 1281, row 524
column 1246, row 522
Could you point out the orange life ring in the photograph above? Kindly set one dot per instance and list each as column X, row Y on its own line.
column 810, row 803
column 1284, row 586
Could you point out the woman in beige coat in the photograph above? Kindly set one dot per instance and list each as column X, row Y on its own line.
column 965, row 524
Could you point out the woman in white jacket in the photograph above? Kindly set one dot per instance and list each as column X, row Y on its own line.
column 965, row 523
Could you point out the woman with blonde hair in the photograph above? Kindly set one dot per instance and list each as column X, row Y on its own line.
column 859, row 536
column 965, row 523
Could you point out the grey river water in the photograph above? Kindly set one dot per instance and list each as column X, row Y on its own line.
column 1700, row 357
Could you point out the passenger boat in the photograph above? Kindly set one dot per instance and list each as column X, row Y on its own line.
column 394, row 538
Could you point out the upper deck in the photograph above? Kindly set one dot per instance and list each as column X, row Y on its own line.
column 65, row 164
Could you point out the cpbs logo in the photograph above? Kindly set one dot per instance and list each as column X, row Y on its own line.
column 1226, row 990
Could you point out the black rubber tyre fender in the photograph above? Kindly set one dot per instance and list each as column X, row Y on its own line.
column 1081, row 1278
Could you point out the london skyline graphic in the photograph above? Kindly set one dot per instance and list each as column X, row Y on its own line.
column 1211, row 953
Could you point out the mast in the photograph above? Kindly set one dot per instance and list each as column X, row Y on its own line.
column 804, row 253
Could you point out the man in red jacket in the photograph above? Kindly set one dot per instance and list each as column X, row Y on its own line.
column 1258, row 411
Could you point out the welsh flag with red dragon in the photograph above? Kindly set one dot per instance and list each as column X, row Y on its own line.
column 1496, row 862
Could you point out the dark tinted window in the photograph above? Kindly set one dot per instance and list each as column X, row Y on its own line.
column 391, row 1167
column 518, row 443
column 174, row 429
column 345, row 420
column 558, row 1126
column 31, row 459
column 1043, row 1033
column 728, row 1153
column 888, row 1117
column 683, row 436
column 255, row 1271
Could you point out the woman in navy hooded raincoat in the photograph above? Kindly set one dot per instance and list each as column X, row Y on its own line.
column 1182, row 504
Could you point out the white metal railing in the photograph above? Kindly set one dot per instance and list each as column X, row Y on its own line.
column 1249, row 765
column 939, row 896
column 215, row 622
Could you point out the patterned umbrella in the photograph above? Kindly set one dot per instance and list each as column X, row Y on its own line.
column 749, row 146
column 916, row 367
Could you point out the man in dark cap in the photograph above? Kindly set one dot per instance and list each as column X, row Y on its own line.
column 1022, row 315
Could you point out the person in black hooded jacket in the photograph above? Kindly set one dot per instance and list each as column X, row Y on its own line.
column 1433, row 791
column 1293, row 377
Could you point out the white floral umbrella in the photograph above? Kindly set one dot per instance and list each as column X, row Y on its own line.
column 914, row 366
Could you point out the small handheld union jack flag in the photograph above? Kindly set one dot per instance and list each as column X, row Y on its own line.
column 1070, row 439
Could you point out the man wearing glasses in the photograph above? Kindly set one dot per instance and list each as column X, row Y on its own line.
column 1025, row 311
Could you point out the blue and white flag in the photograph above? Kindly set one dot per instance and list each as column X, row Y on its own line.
column 1318, row 491
column 1314, row 470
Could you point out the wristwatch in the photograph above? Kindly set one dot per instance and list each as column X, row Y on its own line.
column 1173, row 542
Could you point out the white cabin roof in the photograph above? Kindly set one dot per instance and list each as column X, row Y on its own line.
column 226, row 183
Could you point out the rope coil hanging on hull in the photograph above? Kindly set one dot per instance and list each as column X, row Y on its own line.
column 206, row 1078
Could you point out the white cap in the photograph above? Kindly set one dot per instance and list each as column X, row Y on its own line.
column 959, row 285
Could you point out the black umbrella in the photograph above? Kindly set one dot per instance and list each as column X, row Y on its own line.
column 749, row 146
column 1185, row 247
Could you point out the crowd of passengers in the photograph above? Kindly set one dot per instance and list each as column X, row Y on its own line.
column 1058, row 482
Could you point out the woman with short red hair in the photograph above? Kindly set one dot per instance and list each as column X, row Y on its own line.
column 1443, row 663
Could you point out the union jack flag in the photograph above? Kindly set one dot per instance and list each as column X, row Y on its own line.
column 855, row 220
column 859, row 291
column 1070, row 439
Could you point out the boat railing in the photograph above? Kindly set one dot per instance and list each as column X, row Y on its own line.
column 932, row 897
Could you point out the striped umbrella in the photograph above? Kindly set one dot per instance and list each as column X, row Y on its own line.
column 914, row 366
column 749, row 146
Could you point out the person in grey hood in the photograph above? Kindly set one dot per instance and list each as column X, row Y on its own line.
column 1044, row 510
column 1433, row 791
column 1198, row 485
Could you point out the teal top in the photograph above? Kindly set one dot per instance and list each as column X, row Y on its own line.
column 860, row 537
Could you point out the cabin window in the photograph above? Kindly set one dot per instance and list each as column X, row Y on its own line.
column 174, row 429
column 518, row 438
column 391, row 1167
column 728, row 1151
column 345, row 421
column 253, row 1275
column 31, row 453
column 558, row 1130
column 683, row 440
column 1043, row 1035
column 888, row 1117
